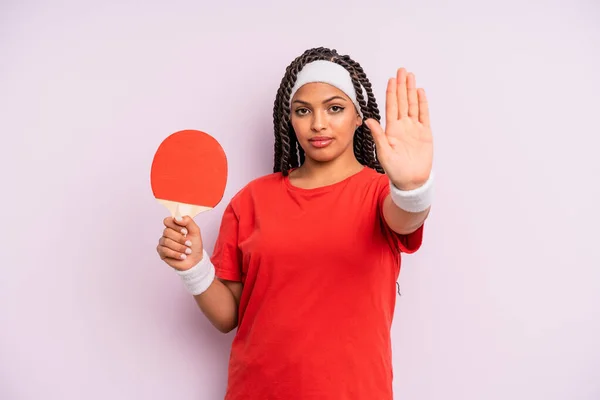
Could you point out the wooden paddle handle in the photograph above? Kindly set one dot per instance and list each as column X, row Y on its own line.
column 181, row 209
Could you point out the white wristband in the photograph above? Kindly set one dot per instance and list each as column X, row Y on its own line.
column 198, row 278
column 415, row 200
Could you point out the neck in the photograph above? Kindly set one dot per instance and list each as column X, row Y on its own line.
column 325, row 173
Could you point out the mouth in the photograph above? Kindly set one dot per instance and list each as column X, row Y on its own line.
column 320, row 141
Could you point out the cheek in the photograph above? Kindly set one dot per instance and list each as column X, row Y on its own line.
column 301, row 127
column 345, row 127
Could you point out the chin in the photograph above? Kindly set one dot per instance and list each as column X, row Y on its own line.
column 322, row 156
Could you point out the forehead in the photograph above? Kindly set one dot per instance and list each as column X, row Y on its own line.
column 317, row 91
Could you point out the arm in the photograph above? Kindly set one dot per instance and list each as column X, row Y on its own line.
column 220, row 302
column 181, row 248
column 400, row 221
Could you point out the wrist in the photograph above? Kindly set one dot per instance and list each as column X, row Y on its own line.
column 412, row 185
column 414, row 197
column 198, row 278
column 407, row 186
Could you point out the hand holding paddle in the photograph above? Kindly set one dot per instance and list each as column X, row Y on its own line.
column 181, row 243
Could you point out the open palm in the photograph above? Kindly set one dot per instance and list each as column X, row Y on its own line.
column 405, row 148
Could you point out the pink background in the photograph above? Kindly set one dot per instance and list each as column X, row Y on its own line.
column 503, row 300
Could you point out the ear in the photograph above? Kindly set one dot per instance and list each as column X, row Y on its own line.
column 359, row 121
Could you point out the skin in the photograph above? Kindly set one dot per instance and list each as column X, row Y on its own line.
column 221, row 300
column 322, row 110
column 404, row 149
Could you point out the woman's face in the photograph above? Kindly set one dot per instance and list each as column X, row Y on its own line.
column 324, row 120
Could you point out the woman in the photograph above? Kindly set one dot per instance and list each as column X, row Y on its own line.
column 307, row 258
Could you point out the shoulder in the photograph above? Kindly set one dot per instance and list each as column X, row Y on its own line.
column 373, row 178
column 257, row 186
column 372, row 185
column 261, row 183
column 370, row 173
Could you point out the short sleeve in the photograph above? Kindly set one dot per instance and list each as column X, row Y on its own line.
column 406, row 243
column 226, row 255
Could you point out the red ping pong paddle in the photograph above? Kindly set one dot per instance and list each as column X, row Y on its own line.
column 189, row 173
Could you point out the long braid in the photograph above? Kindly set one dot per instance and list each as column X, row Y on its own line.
column 363, row 134
column 287, row 151
column 278, row 145
column 294, row 145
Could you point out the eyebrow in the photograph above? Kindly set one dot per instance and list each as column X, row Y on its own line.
column 324, row 101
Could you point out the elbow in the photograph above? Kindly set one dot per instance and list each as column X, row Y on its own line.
column 225, row 327
column 407, row 230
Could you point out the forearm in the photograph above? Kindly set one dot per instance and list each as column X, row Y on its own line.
column 217, row 299
column 401, row 221
column 219, row 305
column 405, row 210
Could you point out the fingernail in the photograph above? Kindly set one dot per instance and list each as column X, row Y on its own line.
column 178, row 219
column 183, row 256
column 188, row 243
column 184, row 231
column 188, row 251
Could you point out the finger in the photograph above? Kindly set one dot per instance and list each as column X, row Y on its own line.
column 413, row 100
column 177, row 237
column 179, row 220
column 166, row 252
column 188, row 223
column 391, row 102
column 174, row 245
column 423, row 108
column 170, row 223
column 401, row 93
column 379, row 137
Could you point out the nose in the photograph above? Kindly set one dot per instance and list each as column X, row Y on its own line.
column 318, row 121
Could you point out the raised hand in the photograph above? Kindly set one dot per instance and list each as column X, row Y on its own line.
column 405, row 148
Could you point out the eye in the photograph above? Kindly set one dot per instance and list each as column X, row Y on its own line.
column 336, row 109
column 301, row 111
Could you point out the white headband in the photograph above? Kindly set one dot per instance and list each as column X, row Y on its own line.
column 328, row 72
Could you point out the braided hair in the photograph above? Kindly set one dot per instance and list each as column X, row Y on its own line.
column 288, row 152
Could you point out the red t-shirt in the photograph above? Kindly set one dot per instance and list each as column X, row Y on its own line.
column 319, row 268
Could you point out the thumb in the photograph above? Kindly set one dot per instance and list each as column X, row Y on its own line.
column 188, row 223
column 378, row 135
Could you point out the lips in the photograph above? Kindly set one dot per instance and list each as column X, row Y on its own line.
column 320, row 141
